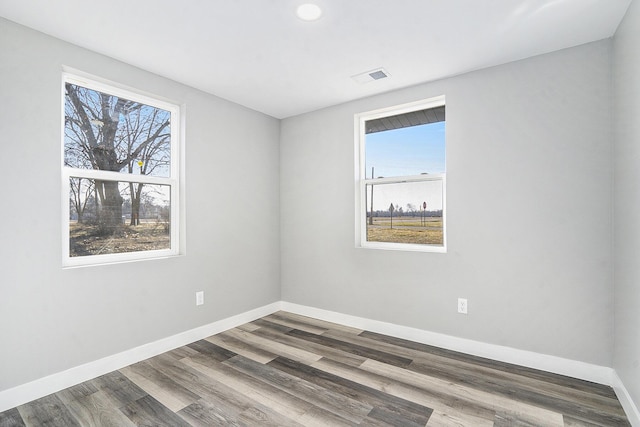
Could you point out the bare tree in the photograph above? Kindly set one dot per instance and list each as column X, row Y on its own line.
column 110, row 133
column 152, row 157
column 411, row 208
column 80, row 189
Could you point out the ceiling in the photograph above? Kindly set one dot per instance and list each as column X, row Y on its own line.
column 257, row 53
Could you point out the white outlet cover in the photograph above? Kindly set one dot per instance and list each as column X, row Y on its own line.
column 200, row 298
column 462, row 305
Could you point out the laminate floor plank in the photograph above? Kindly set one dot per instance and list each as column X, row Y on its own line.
column 572, row 422
column 48, row 411
column 290, row 370
column 219, row 401
column 374, row 397
column 217, row 411
column 403, row 409
column 493, row 379
column 147, row 411
column 338, row 404
column 249, row 327
column 316, row 417
column 267, row 395
column 283, row 402
column 264, row 323
column 97, row 409
column 182, row 352
column 443, row 419
column 275, row 334
column 358, row 350
column 77, row 392
column 294, row 323
column 465, row 411
column 507, row 379
column 11, row 418
column 524, row 412
column 322, row 324
column 205, row 413
column 239, row 347
column 273, row 346
column 461, row 370
column 160, row 386
column 507, row 420
column 570, row 383
column 118, row 388
column 381, row 417
column 457, row 370
column 577, row 397
column 212, row 350
column 520, row 392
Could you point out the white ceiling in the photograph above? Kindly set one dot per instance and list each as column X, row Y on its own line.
column 259, row 54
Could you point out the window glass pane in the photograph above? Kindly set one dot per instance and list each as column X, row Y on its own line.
column 396, row 212
column 108, row 217
column 406, row 151
column 106, row 132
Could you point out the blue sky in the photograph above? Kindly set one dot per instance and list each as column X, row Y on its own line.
column 407, row 151
column 401, row 152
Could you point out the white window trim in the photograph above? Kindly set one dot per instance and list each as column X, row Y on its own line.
column 175, row 180
column 361, row 179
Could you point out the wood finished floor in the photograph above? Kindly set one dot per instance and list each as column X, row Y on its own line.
column 290, row 370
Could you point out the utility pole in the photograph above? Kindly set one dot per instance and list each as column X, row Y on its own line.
column 424, row 213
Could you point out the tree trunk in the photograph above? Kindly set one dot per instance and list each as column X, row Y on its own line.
column 136, row 194
column 111, row 210
column 135, row 213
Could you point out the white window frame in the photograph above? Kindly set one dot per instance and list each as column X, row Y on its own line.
column 174, row 181
column 361, row 180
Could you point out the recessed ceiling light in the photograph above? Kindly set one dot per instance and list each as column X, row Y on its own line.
column 309, row 12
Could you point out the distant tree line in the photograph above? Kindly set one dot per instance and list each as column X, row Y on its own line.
column 88, row 212
column 399, row 212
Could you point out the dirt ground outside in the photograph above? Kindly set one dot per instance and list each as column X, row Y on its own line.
column 85, row 239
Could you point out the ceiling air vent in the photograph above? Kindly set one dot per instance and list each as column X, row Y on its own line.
column 370, row 76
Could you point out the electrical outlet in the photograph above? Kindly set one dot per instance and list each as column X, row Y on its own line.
column 462, row 305
column 199, row 297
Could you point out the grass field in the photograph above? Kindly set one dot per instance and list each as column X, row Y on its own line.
column 85, row 239
column 406, row 230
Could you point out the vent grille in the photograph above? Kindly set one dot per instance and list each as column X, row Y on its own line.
column 377, row 75
column 370, row 76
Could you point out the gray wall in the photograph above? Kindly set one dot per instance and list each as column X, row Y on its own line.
column 626, row 67
column 53, row 319
column 529, row 199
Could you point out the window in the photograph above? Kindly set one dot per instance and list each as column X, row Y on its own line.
column 400, row 175
column 119, row 175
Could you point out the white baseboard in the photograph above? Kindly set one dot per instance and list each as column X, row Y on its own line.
column 59, row 381
column 544, row 362
column 626, row 401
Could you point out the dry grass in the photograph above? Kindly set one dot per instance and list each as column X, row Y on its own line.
column 407, row 222
column 85, row 239
column 406, row 230
column 403, row 235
